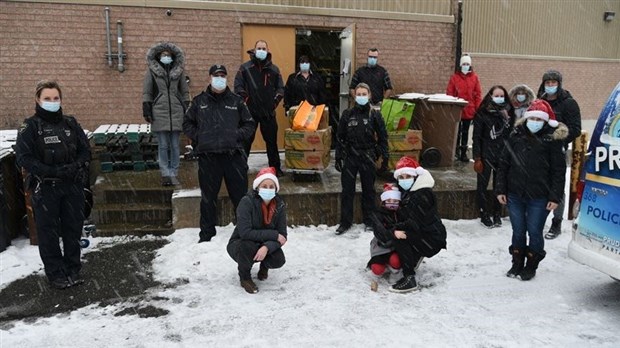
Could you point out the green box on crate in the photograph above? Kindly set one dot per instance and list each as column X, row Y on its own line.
column 139, row 166
column 107, row 167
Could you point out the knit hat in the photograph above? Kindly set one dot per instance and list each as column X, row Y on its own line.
column 541, row 109
column 552, row 75
column 390, row 191
column 407, row 165
column 465, row 59
column 266, row 173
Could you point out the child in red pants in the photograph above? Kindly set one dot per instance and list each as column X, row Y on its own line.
column 382, row 252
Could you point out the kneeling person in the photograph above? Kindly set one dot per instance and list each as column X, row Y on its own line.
column 261, row 229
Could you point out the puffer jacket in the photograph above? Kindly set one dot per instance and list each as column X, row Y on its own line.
column 533, row 165
column 520, row 108
column 418, row 213
column 466, row 86
column 165, row 88
column 250, row 225
column 492, row 126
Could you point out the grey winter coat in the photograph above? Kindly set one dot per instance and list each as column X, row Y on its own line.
column 165, row 95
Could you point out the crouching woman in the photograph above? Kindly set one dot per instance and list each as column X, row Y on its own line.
column 261, row 230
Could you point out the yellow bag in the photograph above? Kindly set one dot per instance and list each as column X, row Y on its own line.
column 308, row 116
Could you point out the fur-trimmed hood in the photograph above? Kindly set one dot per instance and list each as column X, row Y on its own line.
column 178, row 62
column 559, row 133
column 423, row 180
column 521, row 89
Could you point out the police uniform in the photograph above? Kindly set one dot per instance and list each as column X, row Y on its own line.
column 53, row 149
column 362, row 137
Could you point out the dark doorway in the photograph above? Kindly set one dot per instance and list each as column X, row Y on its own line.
column 322, row 46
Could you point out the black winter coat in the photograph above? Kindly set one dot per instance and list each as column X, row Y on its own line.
column 384, row 222
column 361, row 132
column 377, row 78
column 260, row 84
column 492, row 126
column 250, row 224
column 298, row 89
column 418, row 213
column 566, row 111
column 48, row 140
column 533, row 165
column 218, row 122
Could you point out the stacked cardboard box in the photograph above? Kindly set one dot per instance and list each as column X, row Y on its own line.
column 308, row 150
column 403, row 143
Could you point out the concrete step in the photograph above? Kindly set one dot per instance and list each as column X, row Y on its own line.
column 124, row 195
column 135, row 229
column 147, row 213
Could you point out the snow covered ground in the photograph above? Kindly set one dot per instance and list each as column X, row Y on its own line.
column 322, row 298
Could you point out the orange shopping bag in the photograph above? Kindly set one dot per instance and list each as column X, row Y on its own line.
column 308, row 116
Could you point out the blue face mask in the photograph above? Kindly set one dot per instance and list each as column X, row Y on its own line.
column 266, row 194
column 50, row 106
column 372, row 61
column 464, row 69
column 260, row 54
column 218, row 83
column 405, row 183
column 304, row 66
column 498, row 100
column 534, row 126
column 165, row 60
column 521, row 98
column 551, row 89
column 361, row 99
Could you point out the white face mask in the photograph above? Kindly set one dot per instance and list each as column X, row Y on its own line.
column 464, row 69
column 405, row 183
column 521, row 98
column 534, row 126
column 165, row 60
column 266, row 194
column 260, row 54
column 361, row 99
column 50, row 106
column 218, row 83
column 304, row 67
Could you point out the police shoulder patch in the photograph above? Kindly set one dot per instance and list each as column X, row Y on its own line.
column 23, row 127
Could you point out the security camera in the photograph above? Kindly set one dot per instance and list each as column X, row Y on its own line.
column 168, row 13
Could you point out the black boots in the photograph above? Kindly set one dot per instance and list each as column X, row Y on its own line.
column 497, row 220
column 485, row 219
column 263, row 272
column 555, row 230
column 405, row 284
column 533, row 259
column 461, row 154
column 518, row 261
column 342, row 229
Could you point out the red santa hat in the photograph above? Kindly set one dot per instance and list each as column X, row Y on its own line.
column 407, row 165
column 541, row 109
column 266, row 173
column 390, row 191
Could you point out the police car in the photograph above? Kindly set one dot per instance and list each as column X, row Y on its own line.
column 596, row 232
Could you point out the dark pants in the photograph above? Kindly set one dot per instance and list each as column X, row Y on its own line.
column 269, row 129
column 212, row 167
column 410, row 251
column 462, row 136
column 243, row 251
column 59, row 213
column 366, row 167
column 482, row 188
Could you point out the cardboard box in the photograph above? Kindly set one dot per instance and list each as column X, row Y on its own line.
column 405, row 140
column 324, row 118
column 308, row 160
column 394, row 156
column 308, row 140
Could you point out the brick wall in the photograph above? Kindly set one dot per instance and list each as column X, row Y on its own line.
column 589, row 82
column 67, row 43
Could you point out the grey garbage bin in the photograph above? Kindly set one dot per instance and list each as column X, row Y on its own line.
column 439, row 121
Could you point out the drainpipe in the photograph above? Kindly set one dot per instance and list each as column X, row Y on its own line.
column 119, row 27
column 107, row 31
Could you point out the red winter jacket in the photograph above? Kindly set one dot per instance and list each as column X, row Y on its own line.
column 466, row 86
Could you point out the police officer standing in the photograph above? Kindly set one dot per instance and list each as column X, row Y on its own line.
column 259, row 82
column 53, row 149
column 219, row 124
column 362, row 138
column 375, row 76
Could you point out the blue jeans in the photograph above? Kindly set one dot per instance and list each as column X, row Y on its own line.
column 527, row 216
column 168, row 152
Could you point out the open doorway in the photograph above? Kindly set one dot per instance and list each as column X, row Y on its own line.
column 323, row 47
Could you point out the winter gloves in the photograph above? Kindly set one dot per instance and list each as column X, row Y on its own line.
column 478, row 166
column 147, row 111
